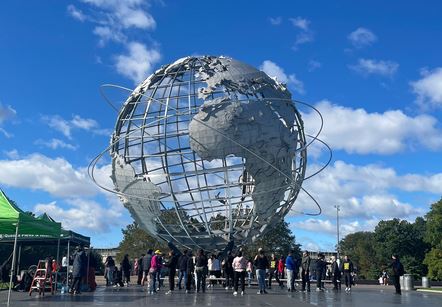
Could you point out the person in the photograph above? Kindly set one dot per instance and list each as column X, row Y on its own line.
column 281, row 267
column 125, row 269
column 146, row 265
column 228, row 270
column 273, row 272
column 397, row 270
column 155, row 267
column 201, row 271
column 384, row 278
column 172, row 265
column 140, row 269
column 190, row 268
column 305, row 271
column 182, row 267
column 290, row 265
column 214, row 266
column 347, row 269
column 79, row 269
column 109, row 270
column 262, row 264
column 249, row 273
column 321, row 266
column 336, row 274
column 239, row 265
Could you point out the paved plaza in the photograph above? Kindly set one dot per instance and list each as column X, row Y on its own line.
column 361, row 295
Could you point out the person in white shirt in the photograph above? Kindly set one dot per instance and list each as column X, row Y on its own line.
column 239, row 272
column 214, row 267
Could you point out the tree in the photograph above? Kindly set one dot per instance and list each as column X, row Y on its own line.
column 136, row 242
column 360, row 247
column 433, row 235
column 279, row 240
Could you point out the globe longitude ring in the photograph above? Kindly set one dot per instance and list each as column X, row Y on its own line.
column 208, row 150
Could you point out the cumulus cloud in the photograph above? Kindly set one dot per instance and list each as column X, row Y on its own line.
column 375, row 67
column 275, row 21
column 275, row 71
column 362, row 37
column 55, row 176
column 429, row 88
column 83, row 214
column 357, row 131
column 138, row 62
column 305, row 34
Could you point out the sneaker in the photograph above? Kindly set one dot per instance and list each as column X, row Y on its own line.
column 349, row 289
column 242, row 293
column 259, row 292
column 169, row 292
column 318, row 289
column 235, row 293
column 187, row 291
column 227, row 288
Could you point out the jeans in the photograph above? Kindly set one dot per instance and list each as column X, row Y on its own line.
column 261, row 274
column 182, row 275
column 200, row 279
column 305, row 279
column 249, row 278
column 291, row 280
column 347, row 279
column 172, row 279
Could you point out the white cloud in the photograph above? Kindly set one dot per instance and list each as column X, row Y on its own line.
column 55, row 144
column 305, row 34
column 7, row 134
column 76, row 13
column 6, row 113
column 276, row 21
column 362, row 37
column 53, row 175
column 365, row 192
column 275, row 71
column 138, row 63
column 313, row 65
column 77, row 122
column 375, row 67
column 429, row 88
column 12, row 154
column 329, row 227
column 58, row 123
column 83, row 214
column 108, row 34
column 301, row 23
column 357, row 131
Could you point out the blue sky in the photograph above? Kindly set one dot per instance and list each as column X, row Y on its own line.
column 373, row 69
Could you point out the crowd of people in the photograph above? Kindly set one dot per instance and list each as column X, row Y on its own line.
column 234, row 271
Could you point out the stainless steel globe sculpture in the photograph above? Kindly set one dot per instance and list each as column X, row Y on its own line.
column 208, row 150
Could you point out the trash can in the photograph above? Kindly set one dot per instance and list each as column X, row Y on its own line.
column 425, row 282
column 408, row 282
column 401, row 282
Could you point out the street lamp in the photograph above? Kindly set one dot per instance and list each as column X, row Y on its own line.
column 338, row 208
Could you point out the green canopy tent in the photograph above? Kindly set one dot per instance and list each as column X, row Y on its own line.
column 15, row 223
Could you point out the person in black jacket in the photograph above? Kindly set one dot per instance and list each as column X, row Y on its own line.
column 228, row 270
column 347, row 269
column 125, row 268
column 172, row 265
column 261, row 263
column 321, row 266
column 190, row 269
column 140, row 269
column 182, row 269
column 398, row 270
column 201, row 271
column 336, row 274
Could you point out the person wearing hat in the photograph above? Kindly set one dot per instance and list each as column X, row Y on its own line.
column 155, row 269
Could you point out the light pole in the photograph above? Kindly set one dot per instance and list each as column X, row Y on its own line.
column 338, row 208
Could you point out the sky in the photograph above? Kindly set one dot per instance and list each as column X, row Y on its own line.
column 373, row 69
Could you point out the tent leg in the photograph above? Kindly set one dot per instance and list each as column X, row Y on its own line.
column 19, row 258
column 13, row 264
column 67, row 268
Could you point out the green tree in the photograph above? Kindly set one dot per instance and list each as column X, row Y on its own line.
column 433, row 236
column 279, row 240
column 136, row 241
column 360, row 247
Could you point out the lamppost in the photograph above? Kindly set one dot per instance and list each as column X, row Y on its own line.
column 338, row 208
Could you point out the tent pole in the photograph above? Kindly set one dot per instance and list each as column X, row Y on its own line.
column 13, row 263
column 58, row 268
column 67, row 268
column 19, row 258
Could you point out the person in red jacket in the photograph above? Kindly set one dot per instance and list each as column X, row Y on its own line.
column 281, row 266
